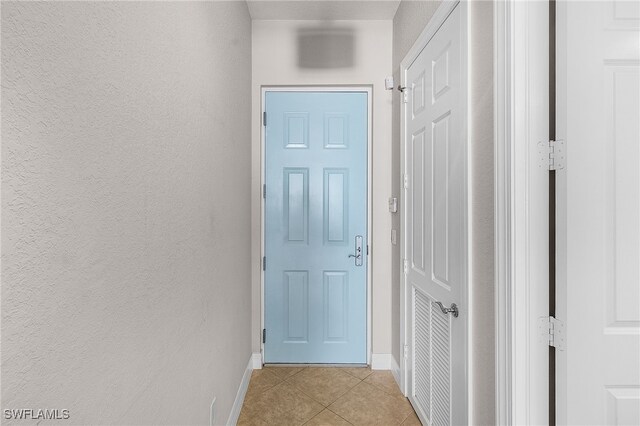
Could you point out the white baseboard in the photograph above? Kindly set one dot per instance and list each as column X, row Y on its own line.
column 257, row 361
column 242, row 391
column 381, row 361
column 395, row 370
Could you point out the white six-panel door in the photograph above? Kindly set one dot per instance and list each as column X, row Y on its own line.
column 598, row 374
column 435, row 251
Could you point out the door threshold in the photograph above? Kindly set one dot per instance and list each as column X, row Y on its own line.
column 317, row 365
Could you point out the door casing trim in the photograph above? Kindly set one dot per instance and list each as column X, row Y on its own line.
column 368, row 89
column 441, row 14
column 516, row 400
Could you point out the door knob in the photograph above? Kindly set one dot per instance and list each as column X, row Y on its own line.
column 452, row 310
column 358, row 254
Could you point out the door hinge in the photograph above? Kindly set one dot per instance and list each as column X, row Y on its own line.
column 264, row 190
column 264, row 263
column 405, row 181
column 405, row 353
column 552, row 332
column 552, row 155
column 264, row 335
column 264, row 118
column 367, row 249
column 405, row 266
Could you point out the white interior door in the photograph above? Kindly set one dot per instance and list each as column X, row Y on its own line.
column 598, row 56
column 435, row 230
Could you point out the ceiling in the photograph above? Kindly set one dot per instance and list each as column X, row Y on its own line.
column 323, row 9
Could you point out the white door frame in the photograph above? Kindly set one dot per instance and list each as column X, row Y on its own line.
column 518, row 401
column 444, row 10
column 368, row 89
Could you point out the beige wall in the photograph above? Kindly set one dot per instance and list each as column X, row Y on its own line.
column 275, row 62
column 481, row 129
column 125, row 208
column 409, row 21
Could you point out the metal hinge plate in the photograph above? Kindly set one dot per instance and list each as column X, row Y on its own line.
column 552, row 332
column 264, row 335
column 406, row 352
column 405, row 266
column 405, row 181
column 552, row 155
column 264, row 118
column 264, row 263
column 264, row 190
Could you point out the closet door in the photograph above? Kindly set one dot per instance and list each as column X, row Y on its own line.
column 435, row 166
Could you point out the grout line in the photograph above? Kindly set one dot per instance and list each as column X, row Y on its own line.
column 263, row 391
column 344, row 393
column 266, row 370
column 307, row 422
column 408, row 415
column 295, row 374
column 305, row 394
column 385, row 390
column 339, row 416
column 353, row 375
column 322, row 403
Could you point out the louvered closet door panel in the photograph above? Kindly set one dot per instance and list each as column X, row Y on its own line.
column 435, row 150
column 421, row 390
column 440, row 368
column 431, row 388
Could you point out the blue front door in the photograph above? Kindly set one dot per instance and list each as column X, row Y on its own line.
column 315, row 281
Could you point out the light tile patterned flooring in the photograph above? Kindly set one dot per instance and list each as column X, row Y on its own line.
column 324, row 396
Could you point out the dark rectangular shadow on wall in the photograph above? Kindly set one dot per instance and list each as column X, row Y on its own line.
column 326, row 47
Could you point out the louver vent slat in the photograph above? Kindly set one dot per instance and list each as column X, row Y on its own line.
column 432, row 369
column 441, row 370
column 422, row 352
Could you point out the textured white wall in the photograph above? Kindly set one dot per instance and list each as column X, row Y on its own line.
column 275, row 63
column 482, row 273
column 125, row 208
column 409, row 21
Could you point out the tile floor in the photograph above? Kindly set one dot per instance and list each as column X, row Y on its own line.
column 324, row 396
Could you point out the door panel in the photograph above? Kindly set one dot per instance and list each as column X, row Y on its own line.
column 435, row 244
column 315, row 207
column 598, row 298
